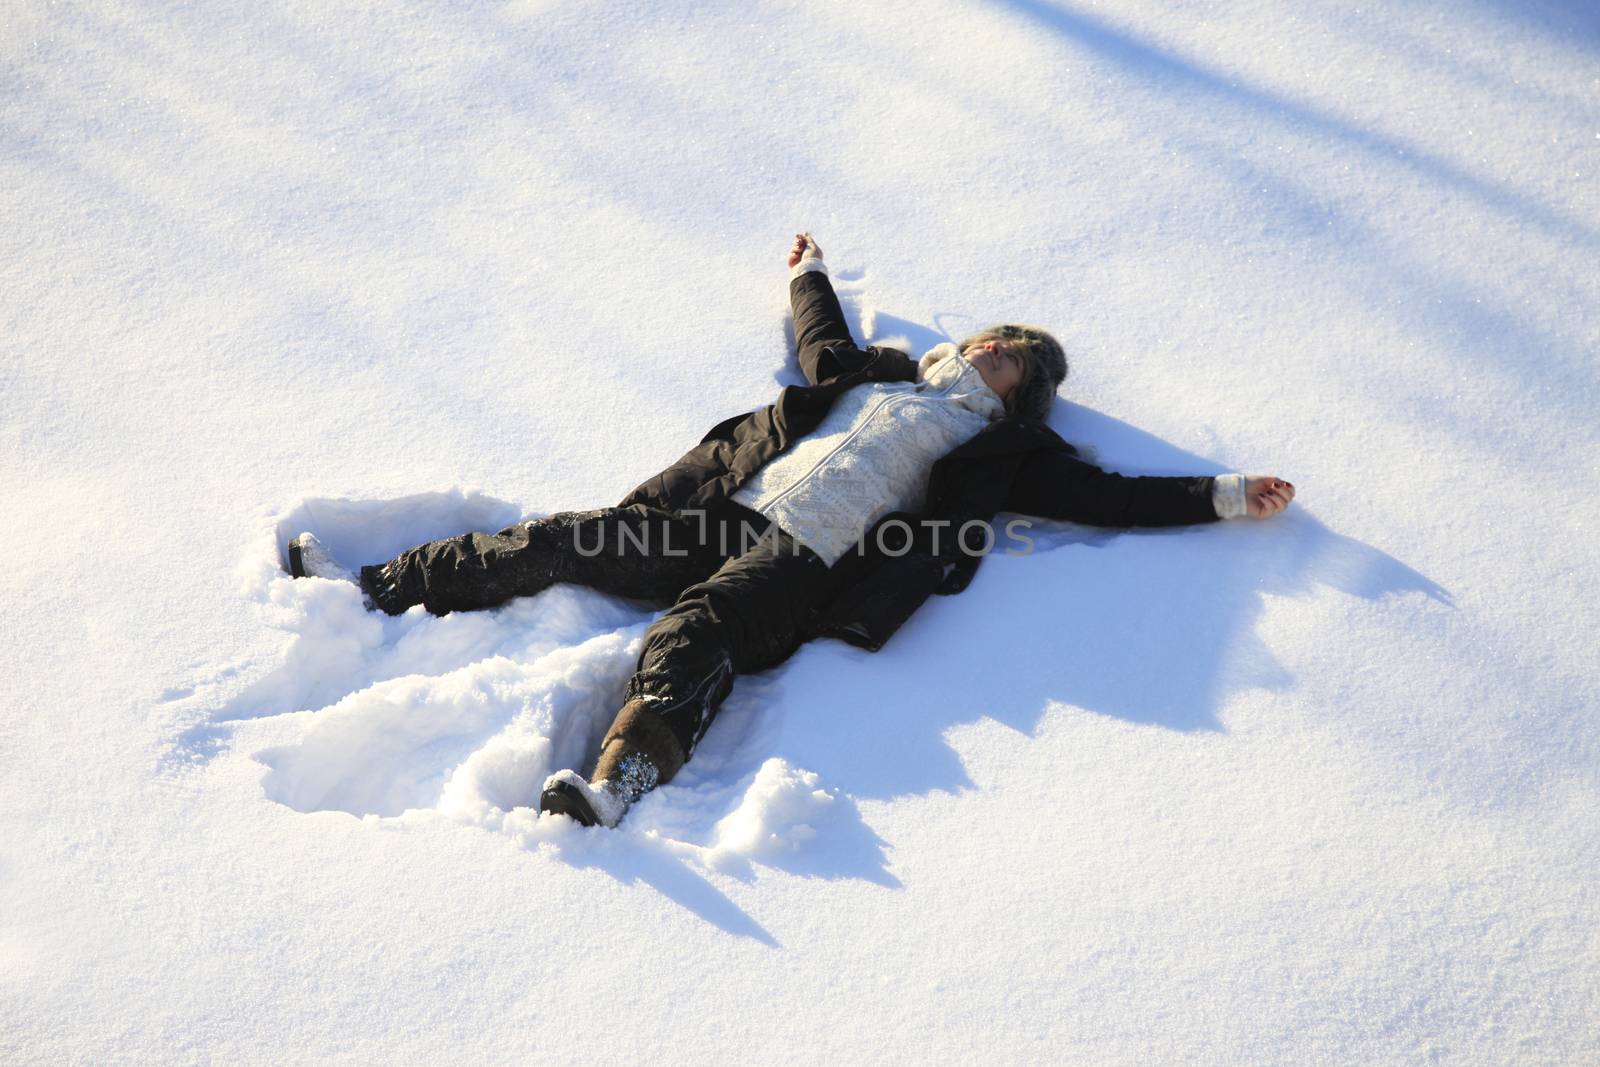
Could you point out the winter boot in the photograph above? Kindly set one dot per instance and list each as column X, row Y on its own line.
column 599, row 803
column 639, row 753
column 310, row 558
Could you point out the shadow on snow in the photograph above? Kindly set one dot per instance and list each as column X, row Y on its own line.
column 466, row 714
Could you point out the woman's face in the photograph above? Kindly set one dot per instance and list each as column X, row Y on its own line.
column 1001, row 363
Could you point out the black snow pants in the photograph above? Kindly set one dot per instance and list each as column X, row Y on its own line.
column 741, row 590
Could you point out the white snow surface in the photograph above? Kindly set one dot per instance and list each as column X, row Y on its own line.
column 1324, row 789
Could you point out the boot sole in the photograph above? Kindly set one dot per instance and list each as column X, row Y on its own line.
column 563, row 799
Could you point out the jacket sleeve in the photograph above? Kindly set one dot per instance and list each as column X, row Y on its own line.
column 822, row 338
column 1056, row 485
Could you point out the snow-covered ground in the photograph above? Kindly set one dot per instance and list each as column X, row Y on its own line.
column 1319, row 790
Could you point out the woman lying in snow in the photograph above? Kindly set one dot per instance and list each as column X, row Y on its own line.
column 835, row 511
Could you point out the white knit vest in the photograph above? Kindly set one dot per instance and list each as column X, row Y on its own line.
column 871, row 454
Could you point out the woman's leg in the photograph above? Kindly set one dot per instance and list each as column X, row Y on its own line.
column 637, row 551
column 750, row 615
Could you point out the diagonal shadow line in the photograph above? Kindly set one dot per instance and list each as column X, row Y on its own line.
column 1569, row 20
column 672, row 878
column 1158, row 66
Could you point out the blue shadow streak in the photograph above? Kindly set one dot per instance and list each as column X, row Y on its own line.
column 1165, row 70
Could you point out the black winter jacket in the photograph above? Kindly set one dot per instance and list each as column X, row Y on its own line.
column 1013, row 464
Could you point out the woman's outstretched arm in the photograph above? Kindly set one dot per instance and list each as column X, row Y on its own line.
column 1055, row 485
column 821, row 335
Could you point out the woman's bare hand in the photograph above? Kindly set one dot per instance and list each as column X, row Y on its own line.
column 1265, row 495
column 804, row 248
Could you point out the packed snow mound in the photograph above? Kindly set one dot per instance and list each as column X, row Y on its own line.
column 777, row 814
